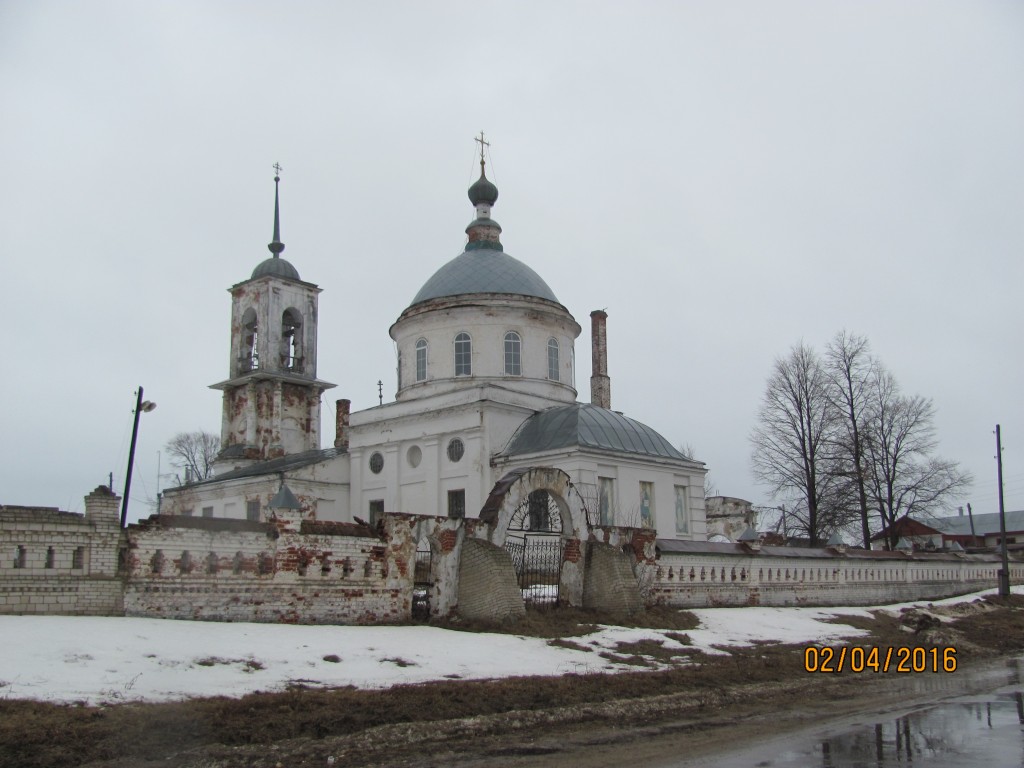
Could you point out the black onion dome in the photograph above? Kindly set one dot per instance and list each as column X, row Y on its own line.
column 483, row 191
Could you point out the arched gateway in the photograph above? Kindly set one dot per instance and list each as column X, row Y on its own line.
column 542, row 521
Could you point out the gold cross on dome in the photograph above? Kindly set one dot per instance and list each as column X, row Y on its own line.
column 482, row 144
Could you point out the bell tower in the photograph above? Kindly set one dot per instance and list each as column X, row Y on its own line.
column 272, row 398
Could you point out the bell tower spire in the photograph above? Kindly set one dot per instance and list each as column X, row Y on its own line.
column 272, row 398
column 277, row 246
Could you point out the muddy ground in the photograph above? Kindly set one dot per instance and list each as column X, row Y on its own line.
column 659, row 714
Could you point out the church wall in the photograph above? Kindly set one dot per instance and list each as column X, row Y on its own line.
column 439, row 322
column 422, row 489
column 323, row 489
column 710, row 580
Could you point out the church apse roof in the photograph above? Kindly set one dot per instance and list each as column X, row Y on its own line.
column 588, row 426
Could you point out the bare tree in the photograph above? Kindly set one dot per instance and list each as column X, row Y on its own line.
column 193, row 452
column 851, row 370
column 904, row 475
column 794, row 441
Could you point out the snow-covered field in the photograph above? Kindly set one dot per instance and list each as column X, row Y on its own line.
column 96, row 660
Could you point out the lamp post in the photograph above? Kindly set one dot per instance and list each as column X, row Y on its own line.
column 1004, row 573
column 141, row 406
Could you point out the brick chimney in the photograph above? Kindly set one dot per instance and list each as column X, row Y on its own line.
column 343, row 407
column 600, row 383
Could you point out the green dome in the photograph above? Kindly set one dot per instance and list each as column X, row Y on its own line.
column 588, row 426
column 275, row 266
column 484, row 271
column 483, row 191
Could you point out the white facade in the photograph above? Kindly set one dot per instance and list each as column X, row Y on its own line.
column 426, row 338
column 485, row 350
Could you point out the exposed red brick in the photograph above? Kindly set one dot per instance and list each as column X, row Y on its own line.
column 573, row 552
column 448, row 540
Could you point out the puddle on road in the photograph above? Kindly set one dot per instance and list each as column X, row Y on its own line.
column 960, row 731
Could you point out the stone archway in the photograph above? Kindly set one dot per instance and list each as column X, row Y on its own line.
column 539, row 507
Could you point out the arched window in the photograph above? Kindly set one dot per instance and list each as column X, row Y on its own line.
column 248, row 357
column 463, row 355
column 421, row 360
column 513, row 354
column 553, row 359
column 291, row 340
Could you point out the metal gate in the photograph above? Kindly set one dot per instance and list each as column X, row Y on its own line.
column 534, row 541
column 421, row 586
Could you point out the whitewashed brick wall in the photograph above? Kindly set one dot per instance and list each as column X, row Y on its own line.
column 54, row 562
column 699, row 580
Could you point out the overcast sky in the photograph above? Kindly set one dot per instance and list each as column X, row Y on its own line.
column 726, row 179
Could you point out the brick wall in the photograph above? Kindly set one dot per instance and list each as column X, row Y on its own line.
column 54, row 562
column 712, row 579
column 227, row 570
column 296, row 569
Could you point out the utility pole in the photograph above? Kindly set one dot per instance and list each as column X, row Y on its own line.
column 1004, row 574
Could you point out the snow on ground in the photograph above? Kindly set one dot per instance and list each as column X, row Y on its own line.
column 101, row 659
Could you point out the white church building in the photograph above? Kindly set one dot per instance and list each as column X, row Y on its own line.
column 486, row 372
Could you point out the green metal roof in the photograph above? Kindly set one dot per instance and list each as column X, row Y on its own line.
column 588, row 426
column 275, row 266
column 484, row 270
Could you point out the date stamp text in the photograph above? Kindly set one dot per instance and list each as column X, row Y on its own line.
column 901, row 659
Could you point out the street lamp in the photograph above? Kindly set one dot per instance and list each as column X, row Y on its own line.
column 141, row 406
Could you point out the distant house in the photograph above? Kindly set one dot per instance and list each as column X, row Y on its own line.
column 941, row 532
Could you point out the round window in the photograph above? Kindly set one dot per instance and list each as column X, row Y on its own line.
column 455, row 450
column 414, row 455
column 376, row 463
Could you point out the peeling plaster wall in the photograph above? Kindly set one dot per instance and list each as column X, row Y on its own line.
column 729, row 517
column 271, row 404
column 575, row 528
column 292, row 570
